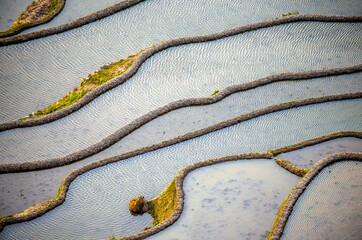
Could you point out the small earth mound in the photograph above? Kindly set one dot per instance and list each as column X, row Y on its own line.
column 138, row 205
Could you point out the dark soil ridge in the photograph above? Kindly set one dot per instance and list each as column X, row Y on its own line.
column 90, row 96
column 129, row 128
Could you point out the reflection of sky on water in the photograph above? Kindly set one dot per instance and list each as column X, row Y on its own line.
column 150, row 173
column 330, row 208
column 306, row 157
column 50, row 67
column 196, row 70
column 236, row 200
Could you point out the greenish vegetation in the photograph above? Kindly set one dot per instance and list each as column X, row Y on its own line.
column 18, row 25
column 163, row 206
column 290, row 14
column 216, row 91
column 286, row 15
column 279, row 214
column 6, row 216
column 273, row 152
column 101, row 76
column 53, row 6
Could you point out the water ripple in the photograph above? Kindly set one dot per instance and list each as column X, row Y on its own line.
column 150, row 173
column 123, row 36
column 330, row 206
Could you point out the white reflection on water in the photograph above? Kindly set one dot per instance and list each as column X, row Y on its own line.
column 236, row 200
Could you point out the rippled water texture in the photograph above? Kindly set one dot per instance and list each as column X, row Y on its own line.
column 10, row 11
column 78, row 8
column 24, row 188
column 75, row 9
column 97, row 201
column 193, row 71
column 330, row 208
column 307, row 157
column 237, row 200
column 50, row 67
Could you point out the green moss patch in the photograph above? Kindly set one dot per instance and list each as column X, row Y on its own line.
column 32, row 16
column 6, row 216
column 163, row 206
column 101, row 76
column 215, row 92
column 279, row 214
column 289, row 14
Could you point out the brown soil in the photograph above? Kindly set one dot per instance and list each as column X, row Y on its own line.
column 35, row 11
column 31, row 209
column 87, row 87
column 120, row 68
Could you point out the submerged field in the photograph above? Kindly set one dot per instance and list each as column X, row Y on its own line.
column 145, row 114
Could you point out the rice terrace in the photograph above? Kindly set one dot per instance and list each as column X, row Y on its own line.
column 165, row 119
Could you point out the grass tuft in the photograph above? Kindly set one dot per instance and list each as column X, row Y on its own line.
column 163, row 206
column 6, row 216
column 101, row 76
column 216, row 91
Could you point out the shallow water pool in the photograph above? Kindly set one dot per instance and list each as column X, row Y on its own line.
column 330, row 207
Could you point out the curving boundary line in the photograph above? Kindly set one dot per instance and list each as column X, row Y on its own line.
column 68, row 26
column 64, row 186
column 181, row 175
column 301, row 172
column 303, row 184
column 124, row 131
column 28, row 25
column 90, row 96
column 179, row 180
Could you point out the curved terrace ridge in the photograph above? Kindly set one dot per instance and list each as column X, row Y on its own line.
column 129, row 3
column 90, row 96
column 300, row 172
column 181, row 175
column 129, row 128
column 64, row 186
column 15, row 29
column 68, row 26
column 287, row 209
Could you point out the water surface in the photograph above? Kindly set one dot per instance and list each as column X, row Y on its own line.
column 235, row 200
column 307, row 157
column 75, row 9
column 50, row 67
column 103, row 193
column 330, row 208
column 195, row 70
column 10, row 10
column 25, row 188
